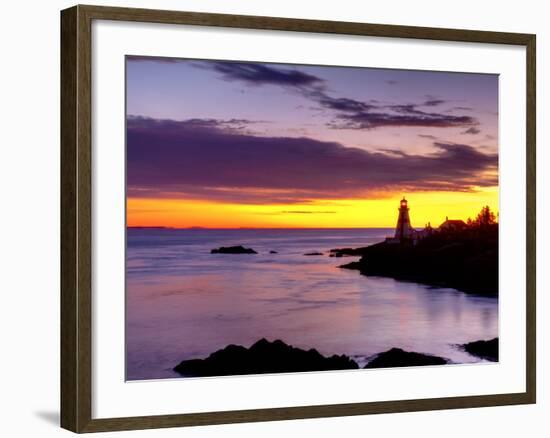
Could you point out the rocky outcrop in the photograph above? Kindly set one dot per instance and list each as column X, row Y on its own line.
column 314, row 253
column 262, row 357
column 233, row 250
column 487, row 350
column 400, row 358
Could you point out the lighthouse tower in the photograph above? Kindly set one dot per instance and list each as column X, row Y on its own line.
column 403, row 230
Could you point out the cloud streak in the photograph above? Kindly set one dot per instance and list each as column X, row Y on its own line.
column 399, row 116
column 434, row 102
column 472, row 131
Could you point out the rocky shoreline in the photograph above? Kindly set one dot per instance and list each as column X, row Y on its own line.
column 265, row 357
column 466, row 260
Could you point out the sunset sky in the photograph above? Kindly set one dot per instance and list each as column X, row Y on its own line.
column 233, row 144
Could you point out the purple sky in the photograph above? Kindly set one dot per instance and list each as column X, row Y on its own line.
column 197, row 127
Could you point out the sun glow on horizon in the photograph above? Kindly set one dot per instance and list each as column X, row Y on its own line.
column 432, row 207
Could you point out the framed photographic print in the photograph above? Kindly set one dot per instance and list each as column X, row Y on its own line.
column 268, row 218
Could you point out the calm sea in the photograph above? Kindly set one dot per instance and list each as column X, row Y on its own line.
column 183, row 302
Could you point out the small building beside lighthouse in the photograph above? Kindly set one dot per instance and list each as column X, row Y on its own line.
column 452, row 225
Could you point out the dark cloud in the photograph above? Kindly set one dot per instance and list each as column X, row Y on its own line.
column 190, row 159
column 356, row 114
column 261, row 74
column 342, row 104
column 428, row 136
column 350, row 113
column 434, row 102
column 223, row 125
column 399, row 116
column 472, row 131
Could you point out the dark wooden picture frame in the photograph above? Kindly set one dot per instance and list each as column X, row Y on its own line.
column 76, row 238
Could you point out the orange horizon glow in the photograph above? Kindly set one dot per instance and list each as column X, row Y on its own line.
column 425, row 207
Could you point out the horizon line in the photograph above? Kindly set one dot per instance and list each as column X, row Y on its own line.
column 251, row 228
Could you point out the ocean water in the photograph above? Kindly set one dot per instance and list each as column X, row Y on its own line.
column 185, row 303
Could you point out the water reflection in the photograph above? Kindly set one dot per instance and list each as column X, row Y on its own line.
column 183, row 302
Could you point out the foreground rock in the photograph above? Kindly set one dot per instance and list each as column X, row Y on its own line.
column 262, row 357
column 487, row 350
column 233, row 250
column 400, row 358
column 315, row 253
column 465, row 260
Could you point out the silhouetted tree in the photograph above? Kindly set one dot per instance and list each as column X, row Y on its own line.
column 485, row 217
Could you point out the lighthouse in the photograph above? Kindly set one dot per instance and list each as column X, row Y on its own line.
column 403, row 230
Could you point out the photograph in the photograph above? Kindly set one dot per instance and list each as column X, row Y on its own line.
column 287, row 218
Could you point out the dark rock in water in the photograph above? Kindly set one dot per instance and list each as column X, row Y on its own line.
column 263, row 357
column 313, row 253
column 487, row 350
column 273, row 252
column 233, row 250
column 400, row 358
